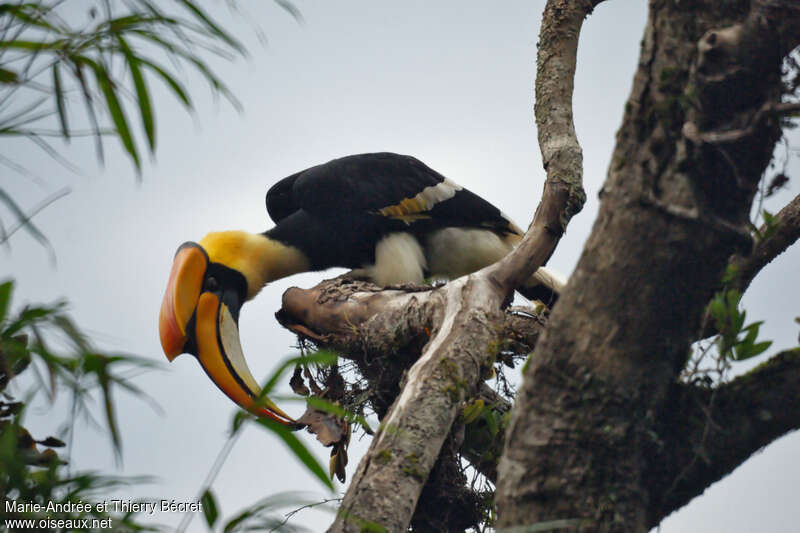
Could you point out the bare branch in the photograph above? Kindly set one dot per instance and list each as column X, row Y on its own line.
column 705, row 434
column 384, row 331
column 768, row 110
column 563, row 194
column 785, row 232
column 388, row 482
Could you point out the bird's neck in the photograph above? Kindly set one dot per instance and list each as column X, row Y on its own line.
column 258, row 257
column 279, row 260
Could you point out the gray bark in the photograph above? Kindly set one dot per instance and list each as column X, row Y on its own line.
column 672, row 213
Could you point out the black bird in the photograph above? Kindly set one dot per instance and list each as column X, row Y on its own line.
column 389, row 217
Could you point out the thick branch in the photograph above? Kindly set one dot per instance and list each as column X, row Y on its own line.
column 389, row 479
column 705, row 434
column 786, row 230
column 384, row 331
column 460, row 317
column 563, row 194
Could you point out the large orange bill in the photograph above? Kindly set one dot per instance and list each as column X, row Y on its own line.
column 183, row 291
column 220, row 353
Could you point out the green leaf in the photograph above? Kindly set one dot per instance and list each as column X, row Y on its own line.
column 732, row 298
column 209, row 507
column 752, row 333
column 717, row 308
column 291, row 9
column 216, row 83
column 238, row 419
column 32, row 45
column 32, row 14
column 8, row 76
column 142, row 94
column 760, row 348
column 60, row 102
column 114, row 108
column 491, row 421
column 211, row 25
column 116, row 111
column 88, row 101
column 299, row 450
column 173, row 84
column 738, row 320
column 23, row 218
column 5, row 298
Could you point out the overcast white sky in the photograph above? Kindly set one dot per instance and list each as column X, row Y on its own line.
column 449, row 82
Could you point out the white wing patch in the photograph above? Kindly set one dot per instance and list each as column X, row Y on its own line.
column 398, row 259
column 438, row 193
column 410, row 209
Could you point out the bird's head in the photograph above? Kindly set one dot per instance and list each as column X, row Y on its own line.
column 199, row 315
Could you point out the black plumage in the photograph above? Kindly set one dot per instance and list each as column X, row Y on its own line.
column 337, row 212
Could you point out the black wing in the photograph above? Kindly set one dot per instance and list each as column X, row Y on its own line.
column 397, row 187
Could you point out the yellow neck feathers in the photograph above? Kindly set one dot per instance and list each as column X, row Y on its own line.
column 258, row 258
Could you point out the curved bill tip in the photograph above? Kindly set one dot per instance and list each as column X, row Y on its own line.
column 180, row 298
column 220, row 354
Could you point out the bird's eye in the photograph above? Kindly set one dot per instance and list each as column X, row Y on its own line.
column 211, row 284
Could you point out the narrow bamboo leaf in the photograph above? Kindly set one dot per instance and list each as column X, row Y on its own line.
column 291, row 9
column 120, row 24
column 115, row 109
column 23, row 218
column 299, row 450
column 142, row 94
column 216, row 83
column 89, row 101
column 27, row 318
column 5, row 298
column 72, row 332
column 174, row 85
column 32, row 45
column 111, row 419
column 32, row 14
column 238, row 419
column 211, row 25
column 60, row 102
column 8, row 76
column 209, row 507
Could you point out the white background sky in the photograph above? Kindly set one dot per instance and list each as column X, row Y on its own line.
column 448, row 82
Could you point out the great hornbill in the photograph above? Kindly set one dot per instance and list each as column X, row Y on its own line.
column 388, row 216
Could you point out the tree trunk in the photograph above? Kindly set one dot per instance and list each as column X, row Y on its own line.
column 672, row 212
